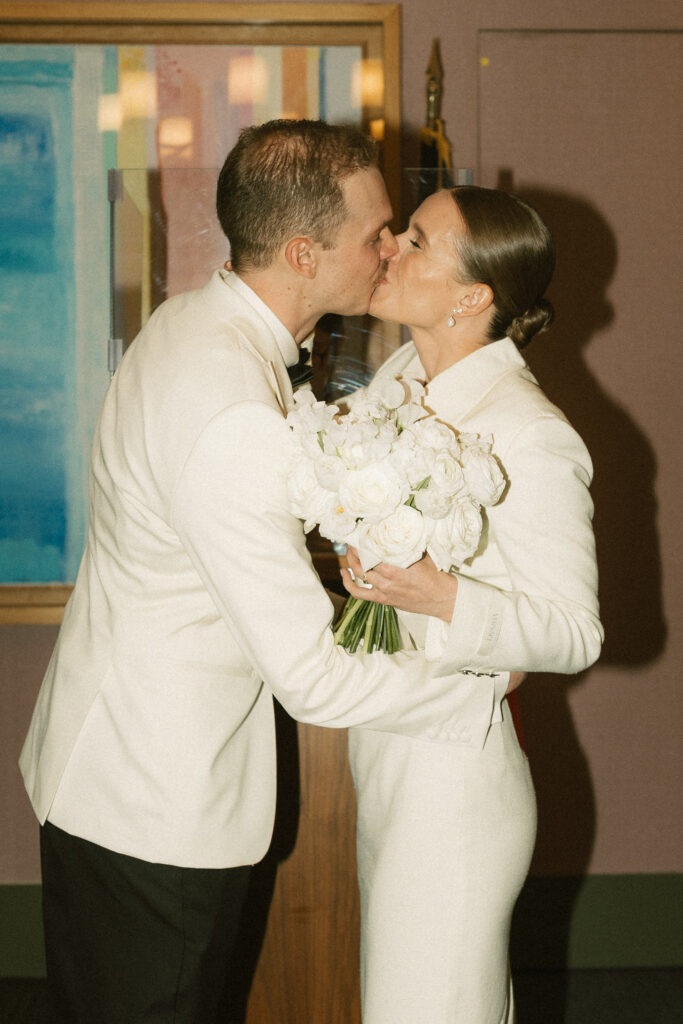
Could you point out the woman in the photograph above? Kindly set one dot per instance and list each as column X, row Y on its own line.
column 445, row 836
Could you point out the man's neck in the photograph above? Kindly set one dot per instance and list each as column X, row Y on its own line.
column 286, row 298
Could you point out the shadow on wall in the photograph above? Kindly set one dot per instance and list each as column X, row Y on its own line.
column 628, row 559
column 625, row 522
column 625, row 464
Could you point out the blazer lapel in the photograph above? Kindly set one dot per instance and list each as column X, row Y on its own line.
column 462, row 386
column 281, row 384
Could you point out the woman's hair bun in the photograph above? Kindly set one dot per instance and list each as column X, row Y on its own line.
column 536, row 319
column 507, row 246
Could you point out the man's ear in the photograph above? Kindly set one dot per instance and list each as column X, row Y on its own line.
column 301, row 257
column 476, row 299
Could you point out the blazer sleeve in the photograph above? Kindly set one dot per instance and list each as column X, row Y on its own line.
column 230, row 511
column 548, row 618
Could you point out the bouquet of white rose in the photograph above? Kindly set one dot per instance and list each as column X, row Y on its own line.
column 393, row 481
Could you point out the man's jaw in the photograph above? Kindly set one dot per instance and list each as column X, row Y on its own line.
column 382, row 278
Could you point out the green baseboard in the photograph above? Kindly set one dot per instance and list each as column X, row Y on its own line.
column 617, row 921
column 599, row 921
column 22, row 954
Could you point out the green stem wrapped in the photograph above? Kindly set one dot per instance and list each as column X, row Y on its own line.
column 374, row 626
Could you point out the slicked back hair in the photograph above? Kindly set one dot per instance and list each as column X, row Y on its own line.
column 508, row 247
column 283, row 179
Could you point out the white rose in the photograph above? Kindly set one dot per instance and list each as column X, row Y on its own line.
column 329, row 471
column 309, row 416
column 446, row 473
column 301, row 400
column 387, row 390
column 399, row 539
column 367, row 407
column 312, row 443
column 430, row 433
column 456, row 538
column 432, row 502
column 310, row 422
column 360, row 443
column 337, row 524
column 413, row 460
column 483, row 476
column 307, row 499
column 446, row 481
column 374, row 491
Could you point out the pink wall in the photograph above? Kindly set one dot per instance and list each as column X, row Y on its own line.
column 604, row 747
column 574, row 120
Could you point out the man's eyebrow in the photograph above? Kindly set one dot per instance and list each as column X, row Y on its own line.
column 379, row 229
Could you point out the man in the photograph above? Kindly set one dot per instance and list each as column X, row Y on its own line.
column 150, row 759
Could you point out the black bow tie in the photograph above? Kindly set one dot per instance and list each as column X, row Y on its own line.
column 301, row 372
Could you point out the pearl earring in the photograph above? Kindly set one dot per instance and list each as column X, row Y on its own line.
column 451, row 319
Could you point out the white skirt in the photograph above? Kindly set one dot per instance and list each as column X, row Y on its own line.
column 445, row 836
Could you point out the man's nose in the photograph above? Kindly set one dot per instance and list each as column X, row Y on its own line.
column 389, row 246
column 402, row 241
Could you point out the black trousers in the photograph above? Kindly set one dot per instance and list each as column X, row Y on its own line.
column 129, row 942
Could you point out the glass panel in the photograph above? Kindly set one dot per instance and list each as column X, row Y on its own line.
column 83, row 92
column 69, row 115
column 167, row 239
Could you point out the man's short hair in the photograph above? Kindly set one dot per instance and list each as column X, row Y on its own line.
column 283, row 179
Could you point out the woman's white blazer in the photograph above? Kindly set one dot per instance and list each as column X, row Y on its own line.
column 527, row 600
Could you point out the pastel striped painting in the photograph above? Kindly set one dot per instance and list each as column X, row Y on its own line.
column 68, row 114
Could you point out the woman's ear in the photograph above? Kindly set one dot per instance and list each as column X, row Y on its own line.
column 477, row 299
column 300, row 256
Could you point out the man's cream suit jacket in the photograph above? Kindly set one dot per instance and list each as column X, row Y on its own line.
column 196, row 601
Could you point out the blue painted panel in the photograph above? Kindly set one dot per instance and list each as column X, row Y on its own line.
column 37, row 305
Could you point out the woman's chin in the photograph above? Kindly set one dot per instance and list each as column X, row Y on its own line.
column 380, row 310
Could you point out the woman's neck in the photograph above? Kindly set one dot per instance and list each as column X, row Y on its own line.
column 442, row 348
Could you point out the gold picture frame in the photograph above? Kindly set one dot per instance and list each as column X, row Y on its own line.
column 375, row 28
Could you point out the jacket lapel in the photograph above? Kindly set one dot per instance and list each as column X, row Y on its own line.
column 462, row 386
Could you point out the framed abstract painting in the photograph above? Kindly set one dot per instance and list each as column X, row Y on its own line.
column 114, row 121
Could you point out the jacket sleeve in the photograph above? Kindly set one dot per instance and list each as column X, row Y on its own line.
column 547, row 620
column 230, row 512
